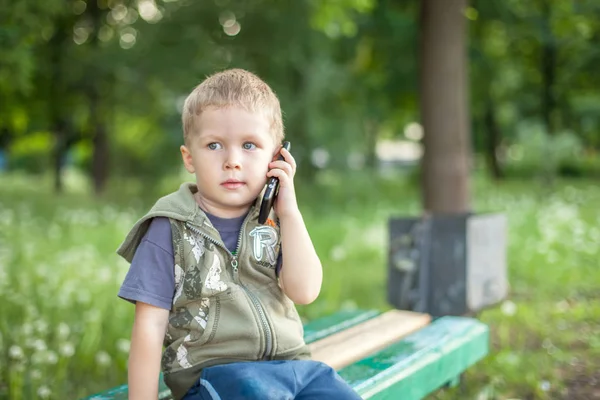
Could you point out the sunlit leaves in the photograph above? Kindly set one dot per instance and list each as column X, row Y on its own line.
column 336, row 17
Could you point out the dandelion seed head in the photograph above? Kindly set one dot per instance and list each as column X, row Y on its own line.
column 44, row 392
column 67, row 349
column 508, row 308
column 41, row 326
column 51, row 357
column 40, row 345
column 27, row 329
column 15, row 352
column 102, row 358
column 63, row 330
column 123, row 345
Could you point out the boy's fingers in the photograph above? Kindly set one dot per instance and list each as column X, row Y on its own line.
column 282, row 165
column 278, row 173
column 289, row 158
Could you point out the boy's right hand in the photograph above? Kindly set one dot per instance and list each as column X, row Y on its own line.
column 284, row 170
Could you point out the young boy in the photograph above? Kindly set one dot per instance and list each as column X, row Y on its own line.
column 209, row 282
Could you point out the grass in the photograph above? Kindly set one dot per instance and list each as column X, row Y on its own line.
column 64, row 334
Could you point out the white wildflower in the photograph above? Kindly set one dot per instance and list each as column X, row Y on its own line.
column 63, row 330
column 103, row 275
column 51, row 357
column 102, row 358
column 67, row 349
column 337, row 253
column 41, row 326
column 508, row 308
column 562, row 306
column 40, row 345
column 44, row 392
column 123, row 345
column 15, row 352
column 36, row 374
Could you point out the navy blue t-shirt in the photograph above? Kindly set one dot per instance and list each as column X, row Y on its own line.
column 151, row 276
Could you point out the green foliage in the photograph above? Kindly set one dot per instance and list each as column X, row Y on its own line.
column 534, row 153
column 32, row 153
column 345, row 70
column 335, row 17
column 25, row 25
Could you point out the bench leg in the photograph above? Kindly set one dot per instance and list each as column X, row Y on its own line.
column 454, row 382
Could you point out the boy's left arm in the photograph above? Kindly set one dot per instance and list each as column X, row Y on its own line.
column 301, row 273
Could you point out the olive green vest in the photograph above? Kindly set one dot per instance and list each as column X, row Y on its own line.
column 226, row 307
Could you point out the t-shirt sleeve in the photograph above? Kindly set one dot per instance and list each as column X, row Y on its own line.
column 151, row 278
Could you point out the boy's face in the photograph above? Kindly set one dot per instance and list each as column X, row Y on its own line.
column 229, row 153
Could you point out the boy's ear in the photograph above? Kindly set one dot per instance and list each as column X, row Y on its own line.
column 186, row 155
column 277, row 152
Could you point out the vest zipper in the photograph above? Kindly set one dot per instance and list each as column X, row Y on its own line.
column 253, row 299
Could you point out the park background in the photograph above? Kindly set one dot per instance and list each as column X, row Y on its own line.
column 502, row 94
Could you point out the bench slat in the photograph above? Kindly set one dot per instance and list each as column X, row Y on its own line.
column 350, row 345
column 421, row 362
column 325, row 326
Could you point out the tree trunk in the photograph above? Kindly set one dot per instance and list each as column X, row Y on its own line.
column 100, row 148
column 100, row 155
column 548, row 67
column 60, row 150
column 443, row 103
column 58, row 121
column 492, row 140
column 371, row 134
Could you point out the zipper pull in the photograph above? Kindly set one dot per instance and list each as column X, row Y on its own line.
column 234, row 264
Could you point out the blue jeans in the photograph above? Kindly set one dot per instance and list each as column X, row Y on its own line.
column 271, row 380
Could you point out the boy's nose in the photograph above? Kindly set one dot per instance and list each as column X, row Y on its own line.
column 233, row 161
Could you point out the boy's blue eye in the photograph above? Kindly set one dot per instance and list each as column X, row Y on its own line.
column 249, row 146
column 214, row 146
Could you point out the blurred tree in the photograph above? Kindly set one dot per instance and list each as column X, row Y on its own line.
column 532, row 62
column 381, row 86
column 444, row 111
column 106, row 78
column 24, row 27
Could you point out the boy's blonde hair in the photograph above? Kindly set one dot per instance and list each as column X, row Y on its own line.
column 233, row 87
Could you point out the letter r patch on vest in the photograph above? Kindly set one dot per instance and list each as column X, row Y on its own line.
column 264, row 240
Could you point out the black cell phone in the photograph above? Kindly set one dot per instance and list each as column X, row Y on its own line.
column 270, row 192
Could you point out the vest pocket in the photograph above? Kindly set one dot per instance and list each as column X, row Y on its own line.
column 231, row 330
column 208, row 319
column 289, row 332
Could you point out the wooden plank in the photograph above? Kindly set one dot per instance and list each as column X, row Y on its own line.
column 345, row 347
column 421, row 362
column 325, row 326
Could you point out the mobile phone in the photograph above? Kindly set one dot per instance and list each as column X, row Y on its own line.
column 271, row 191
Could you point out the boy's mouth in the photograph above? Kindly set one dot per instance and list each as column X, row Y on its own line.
column 232, row 184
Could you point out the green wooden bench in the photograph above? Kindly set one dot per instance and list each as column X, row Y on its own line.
column 412, row 367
